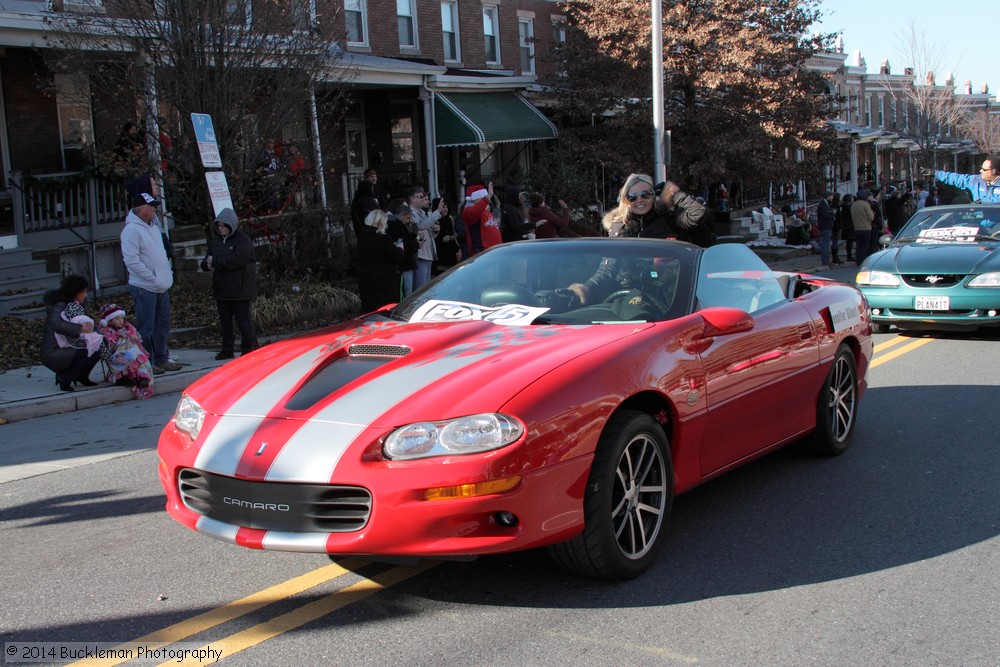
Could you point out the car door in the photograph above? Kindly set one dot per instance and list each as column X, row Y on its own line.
column 758, row 382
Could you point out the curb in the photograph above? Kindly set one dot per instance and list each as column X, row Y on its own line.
column 81, row 399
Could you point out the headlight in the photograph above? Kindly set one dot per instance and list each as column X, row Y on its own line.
column 877, row 278
column 986, row 280
column 189, row 416
column 465, row 435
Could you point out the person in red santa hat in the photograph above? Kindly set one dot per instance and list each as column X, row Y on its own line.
column 128, row 362
column 482, row 229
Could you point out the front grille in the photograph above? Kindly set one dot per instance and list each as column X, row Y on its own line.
column 378, row 350
column 943, row 279
column 285, row 506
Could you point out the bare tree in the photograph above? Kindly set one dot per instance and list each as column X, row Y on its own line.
column 933, row 111
column 984, row 129
column 253, row 66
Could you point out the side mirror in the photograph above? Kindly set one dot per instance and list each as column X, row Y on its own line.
column 720, row 320
column 885, row 240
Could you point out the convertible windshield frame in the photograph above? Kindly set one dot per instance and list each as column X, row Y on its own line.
column 528, row 282
column 952, row 224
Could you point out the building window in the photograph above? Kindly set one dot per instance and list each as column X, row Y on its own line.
column 75, row 122
column 892, row 114
column 526, row 41
column 403, row 136
column 449, row 31
column 406, row 19
column 303, row 15
column 881, row 111
column 356, row 15
column 868, row 111
column 239, row 12
column 559, row 30
column 491, row 30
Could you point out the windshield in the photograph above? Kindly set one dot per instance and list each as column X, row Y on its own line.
column 538, row 282
column 971, row 224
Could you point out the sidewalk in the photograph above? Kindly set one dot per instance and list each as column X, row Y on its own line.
column 26, row 393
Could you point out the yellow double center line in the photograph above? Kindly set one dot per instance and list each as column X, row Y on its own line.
column 899, row 351
column 283, row 623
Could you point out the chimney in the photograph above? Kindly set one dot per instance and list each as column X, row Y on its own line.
column 930, row 78
column 968, row 87
column 884, row 68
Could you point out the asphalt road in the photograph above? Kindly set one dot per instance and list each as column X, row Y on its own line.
column 885, row 556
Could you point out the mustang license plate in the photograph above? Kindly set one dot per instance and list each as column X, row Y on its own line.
column 931, row 303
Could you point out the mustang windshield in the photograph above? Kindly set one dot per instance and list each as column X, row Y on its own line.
column 627, row 280
column 953, row 225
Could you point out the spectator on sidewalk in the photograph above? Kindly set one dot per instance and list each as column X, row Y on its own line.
column 862, row 217
column 128, row 362
column 66, row 350
column 379, row 259
column 825, row 218
column 150, row 278
column 847, row 226
column 234, row 282
column 547, row 222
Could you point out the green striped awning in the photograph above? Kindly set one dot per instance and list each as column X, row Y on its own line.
column 464, row 119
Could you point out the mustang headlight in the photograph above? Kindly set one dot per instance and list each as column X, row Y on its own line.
column 986, row 280
column 189, row 416
column 465, row 435
column 877, row 278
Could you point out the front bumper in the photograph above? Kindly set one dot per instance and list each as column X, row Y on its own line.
column 968, row 308
column 547, row 504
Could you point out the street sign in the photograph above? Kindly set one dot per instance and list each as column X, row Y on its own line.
column 208, row 147
column 218, row 190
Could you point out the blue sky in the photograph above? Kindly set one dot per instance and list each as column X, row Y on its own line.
column 962, row 32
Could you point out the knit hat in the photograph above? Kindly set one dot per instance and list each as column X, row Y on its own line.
column 109, row 312
column 864, row 194
column 475, row 193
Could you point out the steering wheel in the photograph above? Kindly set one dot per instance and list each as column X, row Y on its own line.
column 661, row 309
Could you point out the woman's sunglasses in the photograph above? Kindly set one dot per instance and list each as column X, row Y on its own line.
column 645, row 194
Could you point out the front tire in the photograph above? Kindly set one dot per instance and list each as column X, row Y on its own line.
column 627, row 503
column 837, row 407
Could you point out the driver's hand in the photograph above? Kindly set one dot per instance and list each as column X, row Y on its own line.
column 580, row 290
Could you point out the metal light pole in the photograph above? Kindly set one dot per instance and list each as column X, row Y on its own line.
column 656, row 15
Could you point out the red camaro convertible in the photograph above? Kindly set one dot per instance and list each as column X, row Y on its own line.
column 496, row 410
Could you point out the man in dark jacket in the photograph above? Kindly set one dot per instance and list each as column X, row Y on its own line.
column 895, row 210
column 234, row 283
column 825, row 217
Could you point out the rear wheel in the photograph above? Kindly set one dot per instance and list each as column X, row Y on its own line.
column 627, row 502
column 837, row 407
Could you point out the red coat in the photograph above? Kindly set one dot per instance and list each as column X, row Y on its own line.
column 482, row 230
column 553, row 222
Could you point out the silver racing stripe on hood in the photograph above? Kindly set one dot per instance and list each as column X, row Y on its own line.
column 223, row 447
column 312, row 453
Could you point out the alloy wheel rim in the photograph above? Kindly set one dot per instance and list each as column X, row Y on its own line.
column 639, row 497
column 842, row 397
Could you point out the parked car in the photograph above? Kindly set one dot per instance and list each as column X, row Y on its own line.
column 491, row 411
column 942, row 271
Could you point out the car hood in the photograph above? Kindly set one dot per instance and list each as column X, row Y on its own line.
column 952, row 258
column 386, row 373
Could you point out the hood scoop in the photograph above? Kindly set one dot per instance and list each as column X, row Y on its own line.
column 378, row 350
column 342, row 371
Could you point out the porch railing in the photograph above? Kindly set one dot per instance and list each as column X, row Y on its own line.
column 65, row 200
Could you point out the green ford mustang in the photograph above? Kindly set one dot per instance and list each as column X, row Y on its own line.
column 941, row 272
